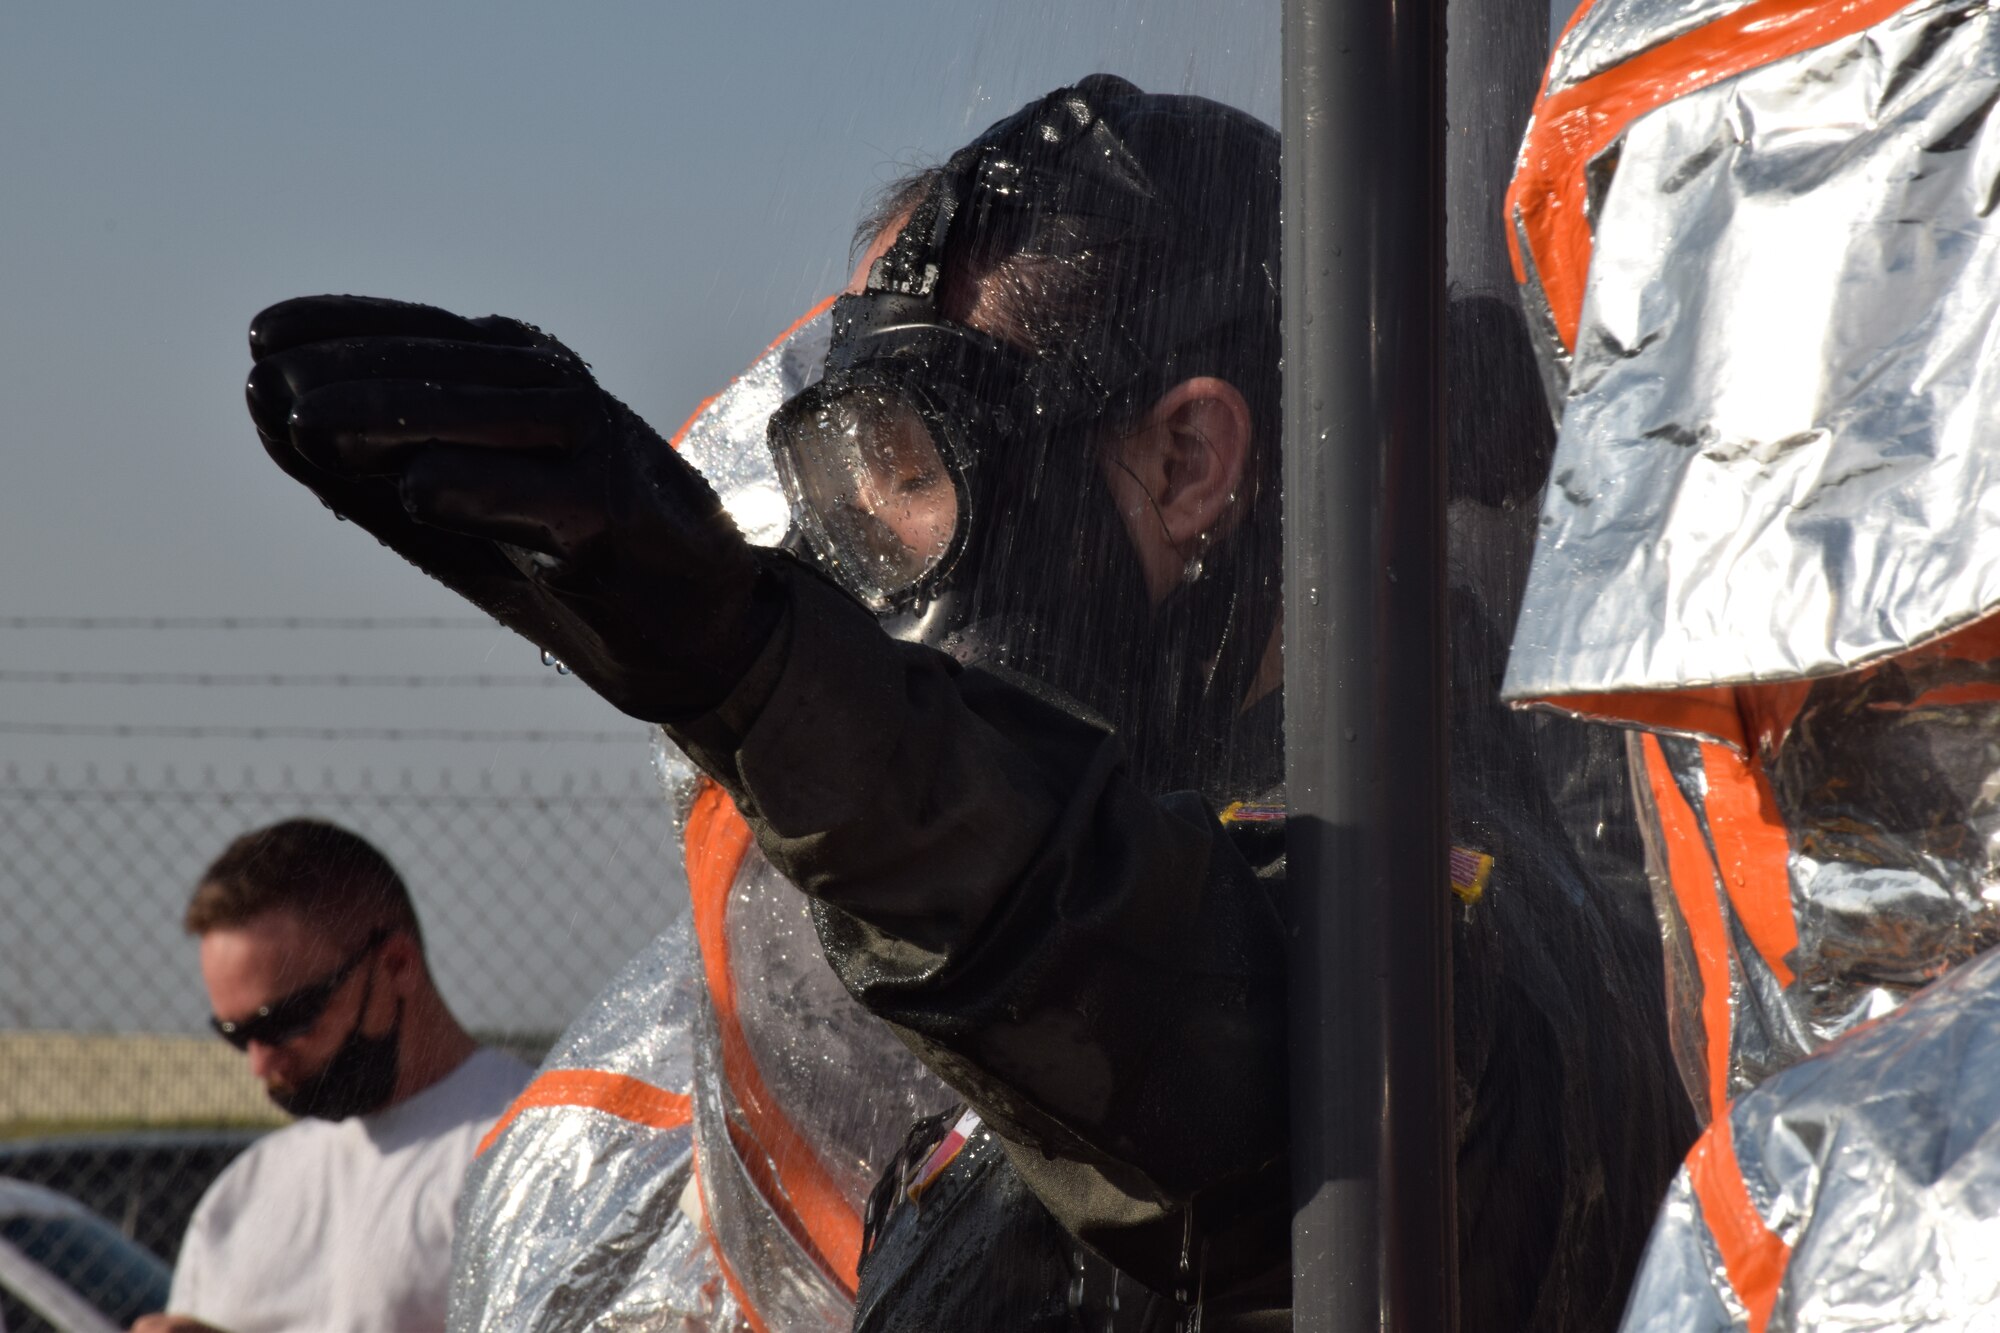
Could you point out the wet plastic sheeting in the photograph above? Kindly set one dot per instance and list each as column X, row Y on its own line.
column 823, row 1068
column 576, row 1217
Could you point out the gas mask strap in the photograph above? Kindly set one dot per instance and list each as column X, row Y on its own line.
column 914, row 264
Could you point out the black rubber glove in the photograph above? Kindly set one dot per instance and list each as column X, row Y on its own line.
column 483, row 451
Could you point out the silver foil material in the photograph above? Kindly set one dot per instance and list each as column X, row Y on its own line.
column 852, row 1087
column 1770, row 469
column 572, row 1219
column 1767, row 1026
column 1682, row 1285
column 1876, row 1164
column 779, row 1276
column 1784, row 385
column 1605, row 35
column 1773, row 475
column 725, row 441
column 1893, row 805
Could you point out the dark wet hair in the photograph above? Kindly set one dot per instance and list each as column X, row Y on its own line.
column 1051, row 271
column 333, row 879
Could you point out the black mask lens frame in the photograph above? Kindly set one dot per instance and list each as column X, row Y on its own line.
column 968, row 389
column 289, row 1016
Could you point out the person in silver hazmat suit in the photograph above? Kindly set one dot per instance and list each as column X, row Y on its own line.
column 1010, row 725
column 1760, row 243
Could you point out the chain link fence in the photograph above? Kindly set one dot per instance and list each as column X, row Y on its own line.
column 532, row 889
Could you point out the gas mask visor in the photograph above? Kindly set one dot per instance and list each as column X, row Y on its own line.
column 882, row 458
column 870, row 489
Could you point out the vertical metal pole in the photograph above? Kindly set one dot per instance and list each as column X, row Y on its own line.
column 1365, row 671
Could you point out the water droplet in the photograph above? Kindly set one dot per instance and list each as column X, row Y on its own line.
column 1187, row 1245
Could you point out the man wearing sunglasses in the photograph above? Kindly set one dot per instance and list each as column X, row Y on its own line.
column 314, row 964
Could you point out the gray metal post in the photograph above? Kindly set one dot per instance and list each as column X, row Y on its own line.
column 1365, row 669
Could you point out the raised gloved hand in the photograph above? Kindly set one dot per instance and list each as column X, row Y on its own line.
column 483, row 451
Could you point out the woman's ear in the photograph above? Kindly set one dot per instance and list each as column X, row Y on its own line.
column 1177, row 476
column 1199, row 435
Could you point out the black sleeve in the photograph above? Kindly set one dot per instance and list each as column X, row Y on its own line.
column 1098, row 972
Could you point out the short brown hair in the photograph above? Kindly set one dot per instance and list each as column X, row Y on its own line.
column 334, row 879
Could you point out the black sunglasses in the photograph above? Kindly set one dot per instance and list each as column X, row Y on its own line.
column 285, row 1018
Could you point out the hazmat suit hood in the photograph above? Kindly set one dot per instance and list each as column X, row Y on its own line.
column 1759, row 245
column 1132, row 241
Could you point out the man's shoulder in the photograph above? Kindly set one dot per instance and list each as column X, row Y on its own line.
column 490, row 1077
column 463, row 1102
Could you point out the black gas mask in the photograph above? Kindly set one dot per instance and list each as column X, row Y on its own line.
column 359, row 1077
column 953, row 481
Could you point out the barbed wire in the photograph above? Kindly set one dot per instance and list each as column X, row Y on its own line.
column 151, row 731
column 287, row 680
column 130, row 782
column 247, row 622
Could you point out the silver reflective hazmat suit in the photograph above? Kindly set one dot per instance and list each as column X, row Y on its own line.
column 1759, row 242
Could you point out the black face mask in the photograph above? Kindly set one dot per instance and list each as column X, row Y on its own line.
column 359, row 1078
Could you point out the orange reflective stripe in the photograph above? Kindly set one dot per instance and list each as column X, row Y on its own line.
column 1710, row 711
column 1752, row 852
column 1978, row 641
column 1945, row 696
column 1753, row 1255
column 1572, row 126
column 621, row 1095
column 1745, row 716
column 675, row 439
column 1691, row 872
column 1769, row 710
column 714, row 844
column 805, row 1196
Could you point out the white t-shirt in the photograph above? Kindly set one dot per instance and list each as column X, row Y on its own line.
column 343, row 1226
